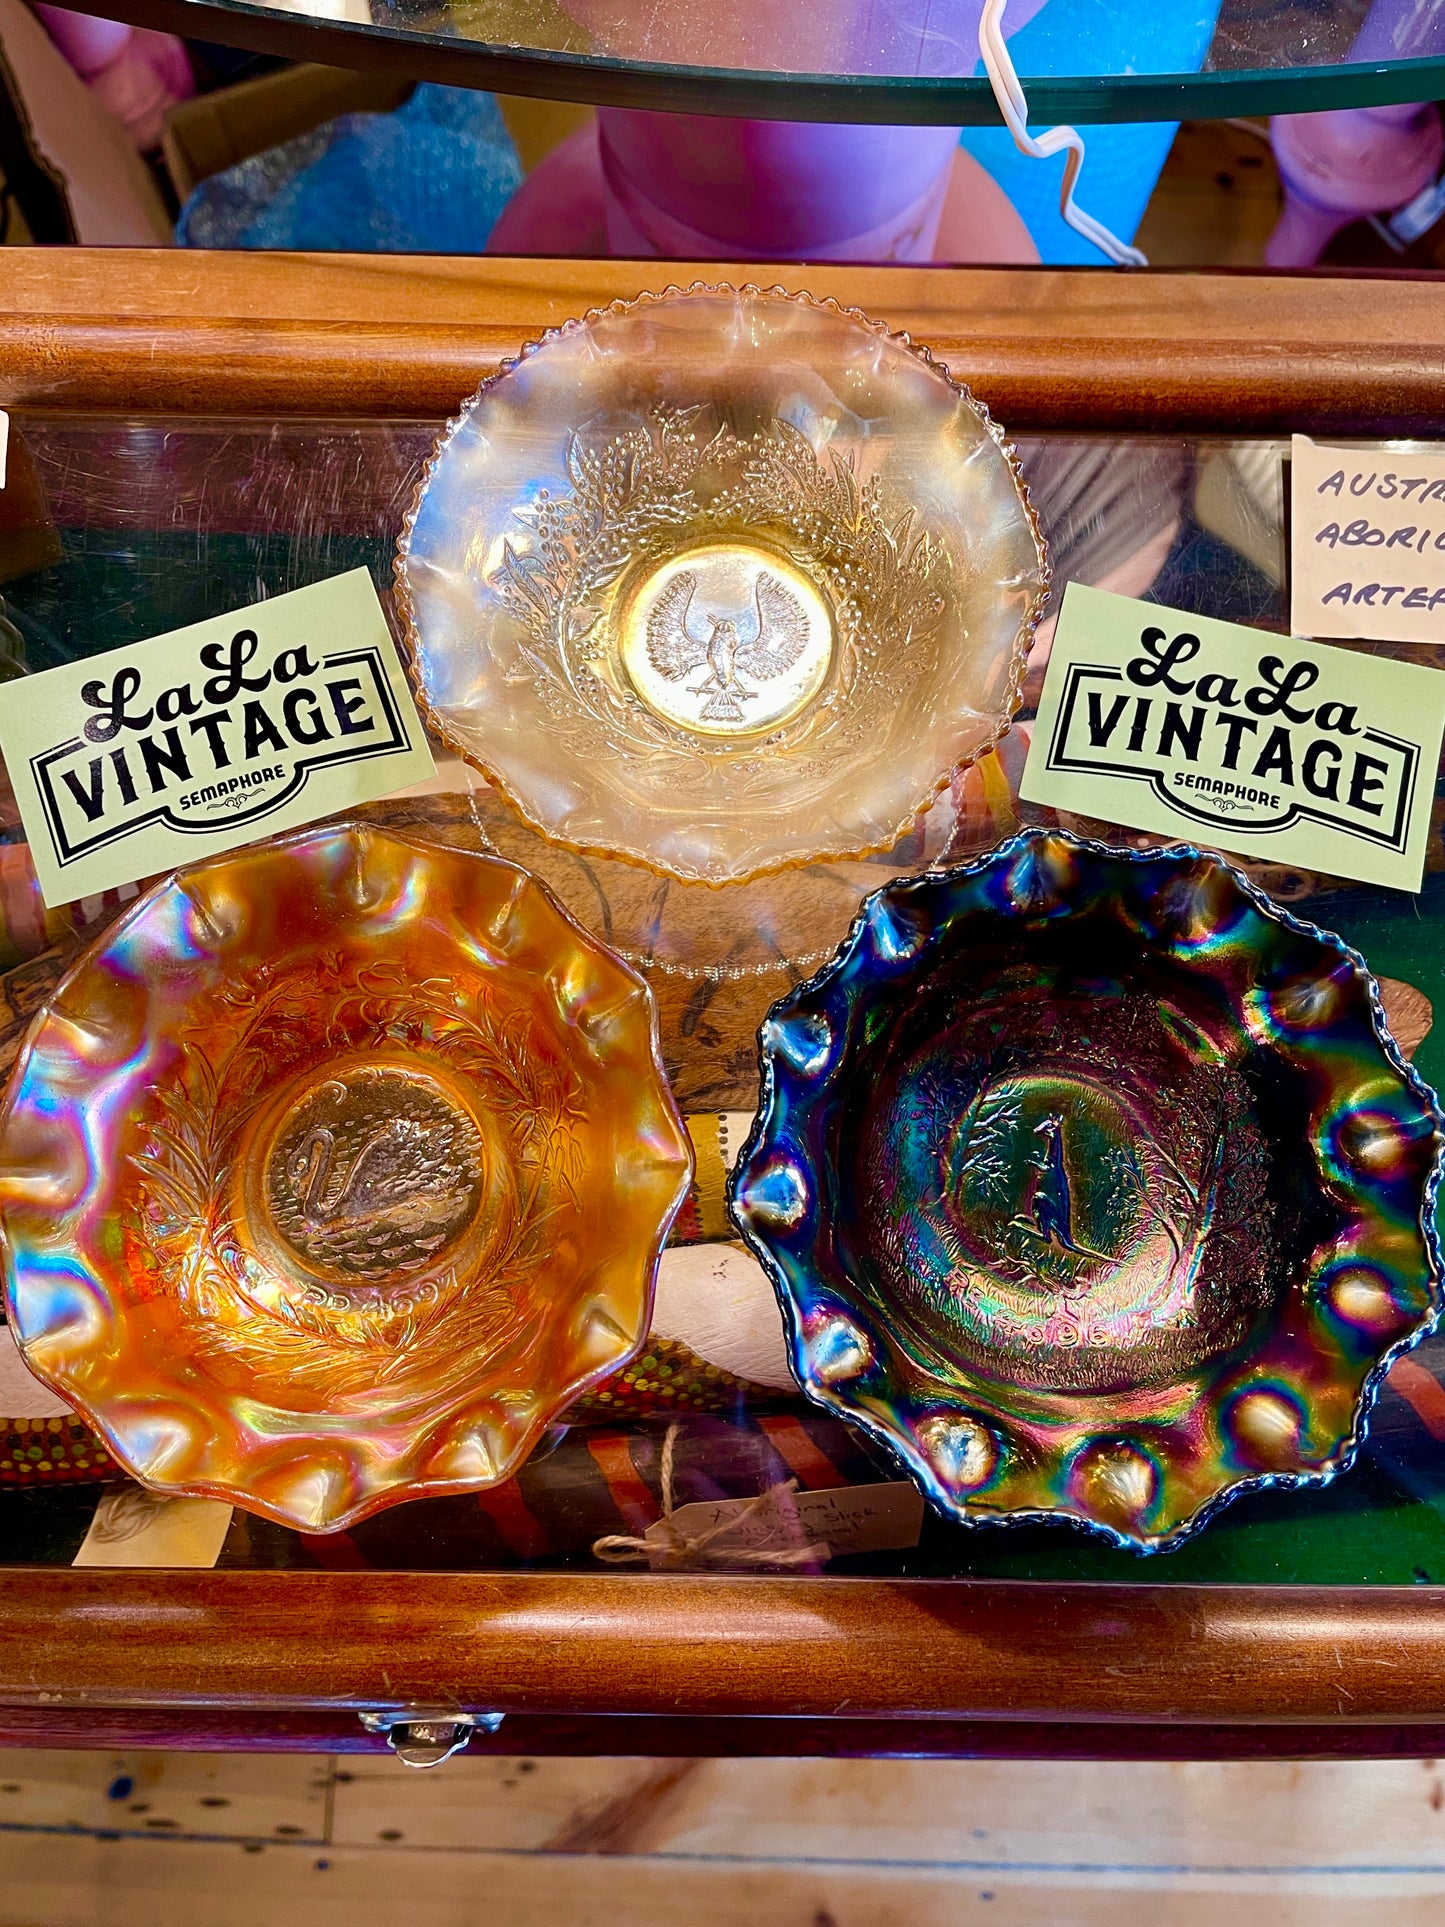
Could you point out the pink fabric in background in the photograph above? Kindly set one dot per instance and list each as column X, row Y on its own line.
column 569, row 205
column 134, row 72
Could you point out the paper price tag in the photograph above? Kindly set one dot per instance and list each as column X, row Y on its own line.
column 131, row 763
column 1367, row 542
column 136, row 1528
column 1219, row 734
column 833, row 1522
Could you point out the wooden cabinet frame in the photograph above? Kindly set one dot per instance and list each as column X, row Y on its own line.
column 610, row 1662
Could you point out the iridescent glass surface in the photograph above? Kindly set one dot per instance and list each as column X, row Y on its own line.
column 722, row 581
column 338, row 1168
column 161, row 522
column 1092, row 1184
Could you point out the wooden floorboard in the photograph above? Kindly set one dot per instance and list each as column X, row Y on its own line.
column 104, row 1839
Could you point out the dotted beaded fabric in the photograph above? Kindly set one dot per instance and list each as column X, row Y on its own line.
column 669, row 1377
column 52, row 1451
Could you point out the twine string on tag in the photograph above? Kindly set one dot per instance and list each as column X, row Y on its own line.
column 676, row 1548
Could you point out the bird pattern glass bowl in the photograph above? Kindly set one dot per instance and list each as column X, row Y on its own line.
column 333, row 1171
column 721, row 581
column 1092, row 1183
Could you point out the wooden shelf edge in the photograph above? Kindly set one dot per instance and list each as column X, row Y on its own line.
column 168, row 330
column 982, row 1666
column 712, row 1646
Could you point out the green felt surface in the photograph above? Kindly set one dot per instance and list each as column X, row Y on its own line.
column 1361, row 1530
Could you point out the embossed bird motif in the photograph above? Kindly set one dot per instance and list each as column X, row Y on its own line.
column 364, row 1194
column 778, row 634
column 391, row 1165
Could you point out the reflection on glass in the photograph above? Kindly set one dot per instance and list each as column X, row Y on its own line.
column 159, row 522
column 916, row 39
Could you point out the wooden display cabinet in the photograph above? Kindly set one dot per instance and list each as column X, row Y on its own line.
column 1100, row 1654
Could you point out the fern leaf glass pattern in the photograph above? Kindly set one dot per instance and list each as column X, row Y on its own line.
column 721, row 581
column 1092, row 1183
column 333, row 1171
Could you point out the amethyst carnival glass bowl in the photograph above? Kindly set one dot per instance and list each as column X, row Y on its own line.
column 1092, row 1183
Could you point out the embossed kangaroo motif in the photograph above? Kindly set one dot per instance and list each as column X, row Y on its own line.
column 390, row 1165
column 1048, row 1203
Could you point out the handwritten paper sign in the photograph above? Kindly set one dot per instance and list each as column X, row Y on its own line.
column 1219, row 734
column 128, row 764
column 1367, row 542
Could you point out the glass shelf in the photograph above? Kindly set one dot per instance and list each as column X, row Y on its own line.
column 887, row 61
column 145, row 524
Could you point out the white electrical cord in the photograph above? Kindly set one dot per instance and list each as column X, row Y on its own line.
column 1015, row 110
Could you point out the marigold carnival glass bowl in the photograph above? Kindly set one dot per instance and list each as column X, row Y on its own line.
column 721, row 580
column 333, row 1171
column 1092, row 1183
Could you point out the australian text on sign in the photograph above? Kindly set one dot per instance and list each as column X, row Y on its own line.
column 1367, row 543
column 1359, row 532
column 196, row 731
column 1262, row 729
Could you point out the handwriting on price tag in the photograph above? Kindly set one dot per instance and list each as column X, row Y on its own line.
column 1367, row 542
column 1218, row 734
column 833, row 1523
column 128, row 764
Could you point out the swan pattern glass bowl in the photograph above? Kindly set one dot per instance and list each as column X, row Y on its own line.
column 333, row 1171
column 721, row 581
column 1092, row 1183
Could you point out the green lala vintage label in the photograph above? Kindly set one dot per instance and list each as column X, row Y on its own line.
column 129, row 764
column 1223, row 735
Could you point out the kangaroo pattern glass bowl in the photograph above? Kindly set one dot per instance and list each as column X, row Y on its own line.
column 721, row 581
column 333, row 1171
column 1093, row 1184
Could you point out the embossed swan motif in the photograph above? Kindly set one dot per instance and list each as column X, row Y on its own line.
column 390, row 1166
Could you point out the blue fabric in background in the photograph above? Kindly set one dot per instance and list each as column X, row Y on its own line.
column 1122, row 163
column 431, row 178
